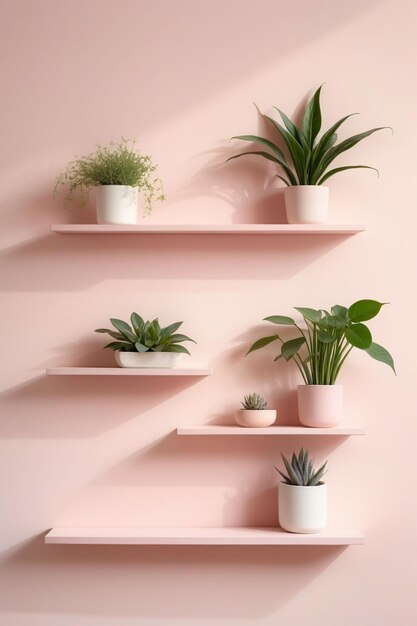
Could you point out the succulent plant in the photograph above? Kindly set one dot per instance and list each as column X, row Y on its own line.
column 254, row 402
column 145, row 336
column 301, row 471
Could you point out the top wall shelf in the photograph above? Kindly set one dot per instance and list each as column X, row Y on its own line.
column 208, row 229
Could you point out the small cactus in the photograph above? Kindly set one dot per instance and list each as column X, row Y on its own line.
column 254, row 402
column 301, row 471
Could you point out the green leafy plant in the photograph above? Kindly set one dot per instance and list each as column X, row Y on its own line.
column 144, row 336
column 301, row 471
column 310, row 156
column 118, row 163
column 254, row 402
column 321, row 349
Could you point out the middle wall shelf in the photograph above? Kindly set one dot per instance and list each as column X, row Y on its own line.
column 216, row 429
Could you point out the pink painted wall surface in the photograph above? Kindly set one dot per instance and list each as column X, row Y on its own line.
column 180, row 76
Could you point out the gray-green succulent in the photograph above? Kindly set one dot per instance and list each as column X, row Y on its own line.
column 254, row 402
column 144, row 336
column 301, row 471
column 310, row 156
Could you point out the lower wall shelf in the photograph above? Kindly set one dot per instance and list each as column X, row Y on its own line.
column 201, row 537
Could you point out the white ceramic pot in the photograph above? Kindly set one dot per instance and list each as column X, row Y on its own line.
column 147, row 359
column 320, row 406
column 255, row 418
column 117, row 204
column 302, row 509
column 306, row 204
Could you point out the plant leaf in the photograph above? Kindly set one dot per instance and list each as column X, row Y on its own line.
column 297, row 153
column 339, row 311
column 379, row 353
column 178, row 338
column 169, row 330
column 346, row 167
column 293, row 477
column 325, row 337
column 359, row 336
column 309, row 314
column 312, row 118
column 137, row 322
column 118, row 345
column 261, row 343
column 266, row 142
column 280, row 319
column 347, row 144
column 140, row 347
column 291, row 347
column 364, row 310
column 124, row 328
column 175, row 348
column 315, row 479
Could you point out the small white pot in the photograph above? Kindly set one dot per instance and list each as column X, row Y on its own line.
column 302, row 509
column 147, row 359
column 320, row 406
column 255, row 418
column 306, row 204
column 117, row 204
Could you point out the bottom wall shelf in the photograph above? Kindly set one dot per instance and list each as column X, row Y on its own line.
column 201, row 536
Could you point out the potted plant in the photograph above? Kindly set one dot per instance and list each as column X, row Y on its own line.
column 302, row 495
column 306, row 197
column 320, row 350
column 254, row 412
column 117, row 172
column 145, row 344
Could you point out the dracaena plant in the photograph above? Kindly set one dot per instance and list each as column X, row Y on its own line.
column 143, row 336
column 310, row 155
column 326, row 340
column 118, row 163
column 301, row 471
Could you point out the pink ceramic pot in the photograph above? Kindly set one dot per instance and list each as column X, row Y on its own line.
column 320, row 406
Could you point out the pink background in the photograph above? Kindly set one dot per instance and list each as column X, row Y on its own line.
column 180, row 76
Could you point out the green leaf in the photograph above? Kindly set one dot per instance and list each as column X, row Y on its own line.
column 312, row 118
column 280, row 319
column 178, row 338
column 347, row 144
column 325, row 337
column 269, row 157
column 124, row 329
column 364, row 310
column 176, row 348
column 309, row 314
column 379, row 353
column 291, row 347
column 342, row 169
column 340, row 311
column 284, row 180
column 137, row 322
column 261, row 343
column 266, row 142
column 298, row 154
column 290, row 471
column 289, row 125
column 315, row 479
column 169, row 330
column 140, row 347
column 326, row 142
column 118, row 345
column 359, row 336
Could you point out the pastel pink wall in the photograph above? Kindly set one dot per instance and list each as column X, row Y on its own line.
column 181, row 76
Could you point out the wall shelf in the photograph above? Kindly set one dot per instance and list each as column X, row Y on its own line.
column 126, row 371
column 208, row 229
column 216, row 429
column 201, row 536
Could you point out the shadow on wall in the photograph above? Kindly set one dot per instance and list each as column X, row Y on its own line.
column 151, row 582
column 79, row 262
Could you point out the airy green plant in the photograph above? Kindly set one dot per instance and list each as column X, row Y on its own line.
column 145, row 336
column 310, row 156
column 301, row 471
column 322, row 348
column 118, row 163
column 254, row 402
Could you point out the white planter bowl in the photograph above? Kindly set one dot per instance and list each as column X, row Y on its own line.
column 306, row 204
column 117, row 204
column 255, row 418
column 320, row 406
column 147, row 359
column 302, row 509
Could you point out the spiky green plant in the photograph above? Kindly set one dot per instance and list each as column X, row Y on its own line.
column 145, row 336
column 310, row 156
column 301, row 471
column 254, row 402
column 118, row 163
column 323, row 346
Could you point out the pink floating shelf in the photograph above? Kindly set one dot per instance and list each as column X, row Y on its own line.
column 126, row 371
column 209, row 229
column 216, row 429
column 201, row 537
